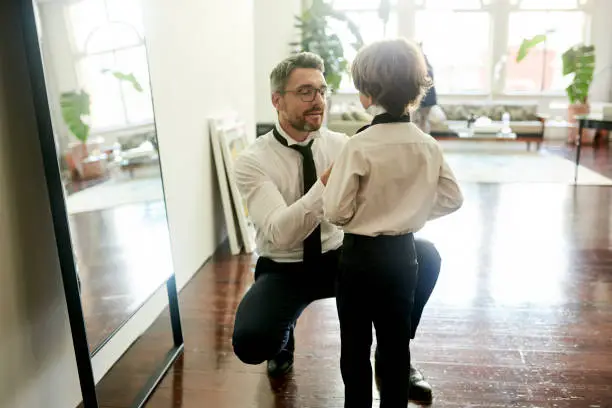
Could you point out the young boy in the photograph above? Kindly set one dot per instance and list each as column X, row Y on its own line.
column 388, row 181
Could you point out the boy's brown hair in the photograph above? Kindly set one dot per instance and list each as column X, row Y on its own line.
column 393, row 73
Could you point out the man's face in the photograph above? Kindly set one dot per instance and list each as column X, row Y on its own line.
column 301, row 105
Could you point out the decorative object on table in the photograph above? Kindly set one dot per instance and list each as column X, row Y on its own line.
column 317, row 36
column 579, row 61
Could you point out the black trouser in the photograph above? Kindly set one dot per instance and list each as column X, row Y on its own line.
column 377, row 282
column 282, row 291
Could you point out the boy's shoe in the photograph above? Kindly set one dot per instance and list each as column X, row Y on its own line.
column 420, row 391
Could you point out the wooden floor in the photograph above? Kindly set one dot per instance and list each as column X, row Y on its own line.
column 123, row 256
column 521, row 316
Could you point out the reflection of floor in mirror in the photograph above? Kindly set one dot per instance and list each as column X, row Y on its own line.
column 115, row 192
column 519, row 317
column 123, row 255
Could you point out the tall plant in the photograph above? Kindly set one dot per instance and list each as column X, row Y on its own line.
column 318, row 37
column 75, row 108
column 578, row 60
column 75, row 105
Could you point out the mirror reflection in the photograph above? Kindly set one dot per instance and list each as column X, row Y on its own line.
column 99, row 92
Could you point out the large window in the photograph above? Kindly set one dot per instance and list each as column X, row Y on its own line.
column 108, row 35
column 472, row 44
column 364, row 13
column 457, row 43
column 541, row 70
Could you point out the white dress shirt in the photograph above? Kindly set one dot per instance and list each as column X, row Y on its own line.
column 269, row 177
column 390, row 179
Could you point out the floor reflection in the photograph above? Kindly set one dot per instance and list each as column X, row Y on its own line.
column 123, row 255
column 521, row 315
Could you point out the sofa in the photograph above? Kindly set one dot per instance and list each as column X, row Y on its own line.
column 445, row 119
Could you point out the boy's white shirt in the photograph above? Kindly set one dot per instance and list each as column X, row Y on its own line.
column 390, row 179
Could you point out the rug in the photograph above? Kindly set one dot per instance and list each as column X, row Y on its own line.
column 115, row 193
column 514, row 166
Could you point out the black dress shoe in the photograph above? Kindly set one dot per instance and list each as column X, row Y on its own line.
column 420, row 391
column 282, row 363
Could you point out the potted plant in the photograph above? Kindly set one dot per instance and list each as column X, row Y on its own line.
column 318, row 37
column 579, row 61
column 75, row 108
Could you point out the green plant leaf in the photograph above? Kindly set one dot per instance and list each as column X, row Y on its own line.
column 318, row 37
column 579, row 61
column 528, row 44
column 384, row 10
column 75, row 106
column 130, row 78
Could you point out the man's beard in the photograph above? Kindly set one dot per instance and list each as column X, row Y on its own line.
column 301, row 124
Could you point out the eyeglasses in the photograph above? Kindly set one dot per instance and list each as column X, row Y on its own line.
column 308, row 94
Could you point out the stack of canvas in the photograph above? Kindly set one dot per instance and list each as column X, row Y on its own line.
column 229, row 137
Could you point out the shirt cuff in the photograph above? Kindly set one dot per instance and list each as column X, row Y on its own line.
column 313, row 200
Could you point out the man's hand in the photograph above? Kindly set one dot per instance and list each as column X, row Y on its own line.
column 325, row 175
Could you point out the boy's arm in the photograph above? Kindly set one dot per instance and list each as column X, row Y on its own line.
column 339, row 197
column 283, row 225
column 448, row 195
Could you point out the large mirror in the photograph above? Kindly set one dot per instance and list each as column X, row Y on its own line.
column 99, row 95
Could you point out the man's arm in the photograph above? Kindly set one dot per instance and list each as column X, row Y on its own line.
column 448, row 195
column 339, row 198
column 284, row 226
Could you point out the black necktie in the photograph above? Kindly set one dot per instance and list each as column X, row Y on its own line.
column 386, row 118
column 312, row 243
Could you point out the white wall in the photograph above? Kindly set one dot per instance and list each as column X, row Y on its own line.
column 273, row 32
column 601, row 89
column 37, row 365
column 201, row 63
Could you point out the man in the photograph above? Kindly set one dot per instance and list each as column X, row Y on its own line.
column 429, row 101
column 282, row 177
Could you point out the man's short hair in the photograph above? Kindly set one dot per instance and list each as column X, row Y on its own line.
column 393, row 73
column 281, row 73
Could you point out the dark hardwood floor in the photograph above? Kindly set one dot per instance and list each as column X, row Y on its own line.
column 123, row 255
column 521, row 316
column 595, row 158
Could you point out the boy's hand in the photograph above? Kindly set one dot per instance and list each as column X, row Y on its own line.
column 325, row 176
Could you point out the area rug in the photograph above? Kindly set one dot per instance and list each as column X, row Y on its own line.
column 115, row 193
column 519, row 167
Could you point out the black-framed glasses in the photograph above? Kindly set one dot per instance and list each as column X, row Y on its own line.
column 308, row 94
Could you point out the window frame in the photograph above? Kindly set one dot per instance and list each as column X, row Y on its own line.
column 500, row 11
column 80, row 55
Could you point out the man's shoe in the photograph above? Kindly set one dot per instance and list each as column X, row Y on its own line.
column 420, row 390
column 281, row 364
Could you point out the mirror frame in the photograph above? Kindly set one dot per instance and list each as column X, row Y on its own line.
column 62, row 235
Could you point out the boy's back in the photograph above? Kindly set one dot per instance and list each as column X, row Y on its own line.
column 398, row 169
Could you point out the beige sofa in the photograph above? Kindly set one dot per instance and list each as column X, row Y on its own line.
column 524, row 119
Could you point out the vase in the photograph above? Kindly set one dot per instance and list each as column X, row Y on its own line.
column 574, row 110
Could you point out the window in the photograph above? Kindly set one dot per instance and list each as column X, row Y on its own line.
column 109, row 35
column 541, row 70
column 472, row 44
column 364, row 13
column 457, row 45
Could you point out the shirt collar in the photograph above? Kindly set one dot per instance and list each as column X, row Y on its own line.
column 291, row 141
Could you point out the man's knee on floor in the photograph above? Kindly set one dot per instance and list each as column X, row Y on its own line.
column 428, row 256
column 253, row 346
